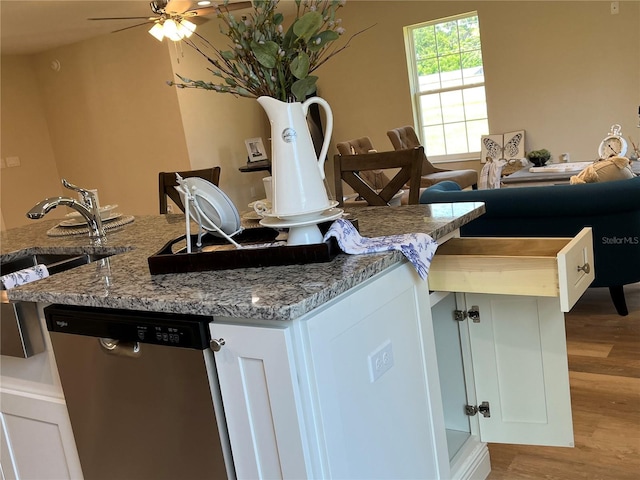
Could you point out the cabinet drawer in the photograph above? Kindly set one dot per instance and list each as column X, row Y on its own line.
column 545, row 267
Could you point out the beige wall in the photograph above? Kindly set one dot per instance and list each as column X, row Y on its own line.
column 216, row 125
column 25, row 135
column 562, row 71
column 105, row 120
column 114, row 123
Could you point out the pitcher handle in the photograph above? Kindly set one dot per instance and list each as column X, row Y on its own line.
column 328, row 129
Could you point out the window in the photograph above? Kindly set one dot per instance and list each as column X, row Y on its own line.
column 447, row 84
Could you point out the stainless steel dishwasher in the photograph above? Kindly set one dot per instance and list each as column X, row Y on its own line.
column 142, row 394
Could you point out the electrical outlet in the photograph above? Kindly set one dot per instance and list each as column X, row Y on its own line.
column 380, row 361
column 169, row 208
column 615, row 8
column 253, row 192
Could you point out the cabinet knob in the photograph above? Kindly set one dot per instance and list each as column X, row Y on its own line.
column 216, row 344
column 584, row 268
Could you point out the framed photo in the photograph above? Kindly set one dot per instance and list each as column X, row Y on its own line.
column 255, row 149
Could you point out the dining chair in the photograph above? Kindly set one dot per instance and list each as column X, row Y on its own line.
column 406, row 137
column 363, row 169
column 167, row 184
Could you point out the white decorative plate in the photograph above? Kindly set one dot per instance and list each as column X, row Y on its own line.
column 215, row 207
column 298, row 217
column 326, row 216
column 105, row 212
column 77, row 222
column 251, row 215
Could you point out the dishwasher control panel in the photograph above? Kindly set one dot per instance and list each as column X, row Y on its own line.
column 169, row 335
column 172, row 330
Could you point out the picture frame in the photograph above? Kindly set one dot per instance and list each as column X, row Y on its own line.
column 255, row 149
column 503, row 146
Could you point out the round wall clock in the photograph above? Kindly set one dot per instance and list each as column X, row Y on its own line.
column 614, row 144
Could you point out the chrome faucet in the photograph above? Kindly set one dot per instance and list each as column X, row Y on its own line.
column 88, row 208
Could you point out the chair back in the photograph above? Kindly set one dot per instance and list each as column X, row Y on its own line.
column 406, row 137
column 352, row 169
column 357, row 146
column 403, row 137
column 167, row 184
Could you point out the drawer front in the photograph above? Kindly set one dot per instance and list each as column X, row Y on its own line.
column 575, row 268
column 544, row 267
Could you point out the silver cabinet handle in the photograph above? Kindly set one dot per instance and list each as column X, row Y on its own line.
column 216, row 344
column 584, row 268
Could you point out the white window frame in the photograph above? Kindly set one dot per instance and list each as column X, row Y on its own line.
column 416, row 93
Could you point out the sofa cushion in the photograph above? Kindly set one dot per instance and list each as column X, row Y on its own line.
column 612, row 209
column 464, row 178
column 545, row 202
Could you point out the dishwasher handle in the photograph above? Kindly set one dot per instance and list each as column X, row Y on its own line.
column 119, row 348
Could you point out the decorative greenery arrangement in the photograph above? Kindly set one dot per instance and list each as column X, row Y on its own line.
column 539, row 157
column 266, row 60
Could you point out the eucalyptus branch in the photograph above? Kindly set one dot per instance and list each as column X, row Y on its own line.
column 346, row 45
column 263, row 59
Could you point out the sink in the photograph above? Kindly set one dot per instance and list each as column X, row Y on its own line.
column 54, row 262
column 20, row 330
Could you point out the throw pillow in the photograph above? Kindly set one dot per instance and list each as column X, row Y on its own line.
column 614, row 168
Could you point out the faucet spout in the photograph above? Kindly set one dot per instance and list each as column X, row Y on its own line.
column 91, row 215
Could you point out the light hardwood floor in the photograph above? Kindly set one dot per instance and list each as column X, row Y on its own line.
column 604, row 375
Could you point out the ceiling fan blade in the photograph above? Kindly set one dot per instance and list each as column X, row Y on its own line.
column 133, row 26
column 122, row 18
column 177, row 6
column 209, row 10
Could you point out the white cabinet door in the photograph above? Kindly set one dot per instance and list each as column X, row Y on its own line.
column 257, row 382
column 520, row 367
column 379, row 412
column 37, row 440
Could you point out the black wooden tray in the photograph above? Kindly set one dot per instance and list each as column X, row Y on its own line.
column 168, row 261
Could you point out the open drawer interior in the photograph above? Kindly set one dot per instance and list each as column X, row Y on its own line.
column 548, row 267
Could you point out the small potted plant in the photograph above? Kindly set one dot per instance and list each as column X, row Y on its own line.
column 539, row 157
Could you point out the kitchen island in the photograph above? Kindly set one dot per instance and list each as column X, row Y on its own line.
column 345, row 369
column 284, row 293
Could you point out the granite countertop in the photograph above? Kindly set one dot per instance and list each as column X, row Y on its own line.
column 273, row 293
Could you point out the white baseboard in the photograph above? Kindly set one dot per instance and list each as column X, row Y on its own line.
column 472, row 462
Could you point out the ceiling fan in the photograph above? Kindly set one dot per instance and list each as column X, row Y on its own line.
column 172, row 17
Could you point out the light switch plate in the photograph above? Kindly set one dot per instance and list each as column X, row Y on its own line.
column 13, row 161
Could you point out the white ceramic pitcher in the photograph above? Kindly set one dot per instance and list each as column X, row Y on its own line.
column 297, row 173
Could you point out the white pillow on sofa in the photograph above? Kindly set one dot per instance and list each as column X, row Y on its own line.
column 614, row 168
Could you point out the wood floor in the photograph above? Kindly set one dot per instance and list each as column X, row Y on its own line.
column 604, row 364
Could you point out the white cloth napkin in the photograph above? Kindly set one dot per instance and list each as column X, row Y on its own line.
column 419, row 248
column 24, row 276
column 490, row 174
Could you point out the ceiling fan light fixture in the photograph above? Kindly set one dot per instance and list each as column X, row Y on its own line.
column 173, row 29
column 204, row 3
column 186, row 28
column 157, row 31
column 170, row 30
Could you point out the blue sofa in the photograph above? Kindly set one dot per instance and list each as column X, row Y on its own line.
column 612, row 209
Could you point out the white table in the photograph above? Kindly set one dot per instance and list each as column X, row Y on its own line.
column 525, row 178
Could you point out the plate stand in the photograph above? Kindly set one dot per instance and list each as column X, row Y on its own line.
column 188, row 205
